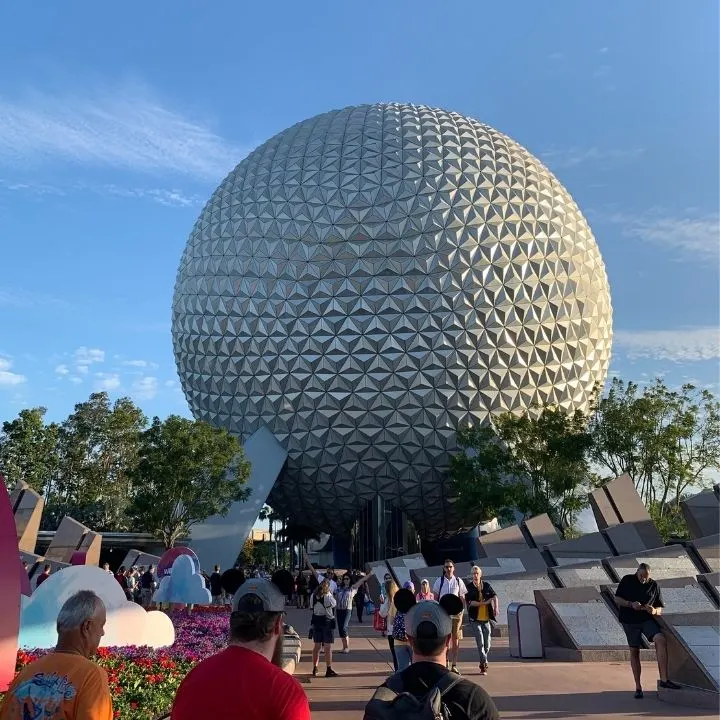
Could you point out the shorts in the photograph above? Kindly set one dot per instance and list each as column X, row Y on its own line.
column 457, row 621
column 323, row 635
column 635, row 631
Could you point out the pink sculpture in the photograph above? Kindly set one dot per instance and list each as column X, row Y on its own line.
column 170, row 556
column 9, row 589
column 25, row 588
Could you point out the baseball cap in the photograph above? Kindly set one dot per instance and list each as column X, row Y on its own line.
column 428, row 611
column 267, row 593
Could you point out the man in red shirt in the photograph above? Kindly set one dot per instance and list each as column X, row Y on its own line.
column 245, row 680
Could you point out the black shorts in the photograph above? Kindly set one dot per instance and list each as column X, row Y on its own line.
column 323, row 635
column 635, row 631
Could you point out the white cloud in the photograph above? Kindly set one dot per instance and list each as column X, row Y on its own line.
column 88, row 356
column 107, row 381
column 14, row 297
column 62, row 370
column 84, row 357
column 123, row 128
column 7, row 377
column 170, row 383
column 696, row 238
column 75, row 380
column 161, row 196
column 571, row 157
column 681, row 345
column 145, row 388
column 169, row 197
column 140, row 364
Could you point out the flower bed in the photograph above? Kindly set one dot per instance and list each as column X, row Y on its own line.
column 143, row 681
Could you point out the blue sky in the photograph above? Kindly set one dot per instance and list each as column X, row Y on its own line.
column 118, row 121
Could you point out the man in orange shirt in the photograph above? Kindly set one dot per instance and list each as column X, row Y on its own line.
column 65, row 684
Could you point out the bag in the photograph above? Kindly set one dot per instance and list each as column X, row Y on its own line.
column 486, row 590
column 385, row 608
column 379, row 622
column 398, row 628
column 391, row 702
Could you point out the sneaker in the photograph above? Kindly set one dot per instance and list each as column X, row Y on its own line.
column 669, row 685
column 454, row 669
column 639, row 694
column 330, row 673
column 345, row 651
column 483, row 668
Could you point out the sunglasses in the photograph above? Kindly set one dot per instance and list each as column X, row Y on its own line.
column 449, row 567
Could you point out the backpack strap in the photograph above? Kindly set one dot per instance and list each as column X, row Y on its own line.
column 395, row 683
column 446, row 683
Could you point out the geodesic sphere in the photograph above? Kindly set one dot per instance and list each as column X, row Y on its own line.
column 373, row 278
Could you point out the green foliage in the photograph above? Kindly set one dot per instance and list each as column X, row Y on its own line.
column 666, row 440
column 187, row 471
column 479, row 476
column 534, row 462
column 28, row 449
column 97, row 451
column 247, row 552
column 669, row 521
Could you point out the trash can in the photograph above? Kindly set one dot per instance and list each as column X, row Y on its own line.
column 524, row 630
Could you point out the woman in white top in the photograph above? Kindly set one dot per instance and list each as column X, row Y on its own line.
column 345, row 596
column 323, row 627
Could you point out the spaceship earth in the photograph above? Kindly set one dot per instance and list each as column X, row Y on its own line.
column 370, row 280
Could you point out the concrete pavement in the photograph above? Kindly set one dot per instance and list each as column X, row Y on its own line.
column 521, row 689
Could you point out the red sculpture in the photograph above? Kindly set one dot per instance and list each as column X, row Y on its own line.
column 9, row 589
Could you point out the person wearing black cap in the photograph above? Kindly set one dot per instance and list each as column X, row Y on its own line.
column 427, row 682
column 245, row 680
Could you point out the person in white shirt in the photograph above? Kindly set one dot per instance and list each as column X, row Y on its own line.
column 320, row 577
column 446, row 584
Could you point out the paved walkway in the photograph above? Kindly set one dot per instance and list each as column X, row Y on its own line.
column 522, row 689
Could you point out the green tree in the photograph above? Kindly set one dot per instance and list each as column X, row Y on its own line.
column 479, row 476
column 535, row 463
column 98, row 448
column 668, row 441
column 247, row 553
column 188, row 471
column 28, row 449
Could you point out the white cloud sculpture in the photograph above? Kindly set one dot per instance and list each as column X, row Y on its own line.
column 127, row 623
column 183, row 585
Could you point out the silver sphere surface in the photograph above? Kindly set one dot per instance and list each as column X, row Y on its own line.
column 370, row 280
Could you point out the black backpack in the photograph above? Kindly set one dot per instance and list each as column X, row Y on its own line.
column 391, row 702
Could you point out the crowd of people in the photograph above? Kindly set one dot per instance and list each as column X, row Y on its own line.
column 422, row 635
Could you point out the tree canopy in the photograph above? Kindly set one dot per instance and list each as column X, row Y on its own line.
column 546, row 459
column 187, row 471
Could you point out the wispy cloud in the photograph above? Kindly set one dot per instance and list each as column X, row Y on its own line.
column 62, row 370
column 693, row 236
column 107, row 381
column 571, row 157
column 123, row 128
column 85, row 356
column 169, row 197
column 678, row 345
column 7, row 377
column 139, row 363
column 161, row 196
column 15, row 297
column 145, row 388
